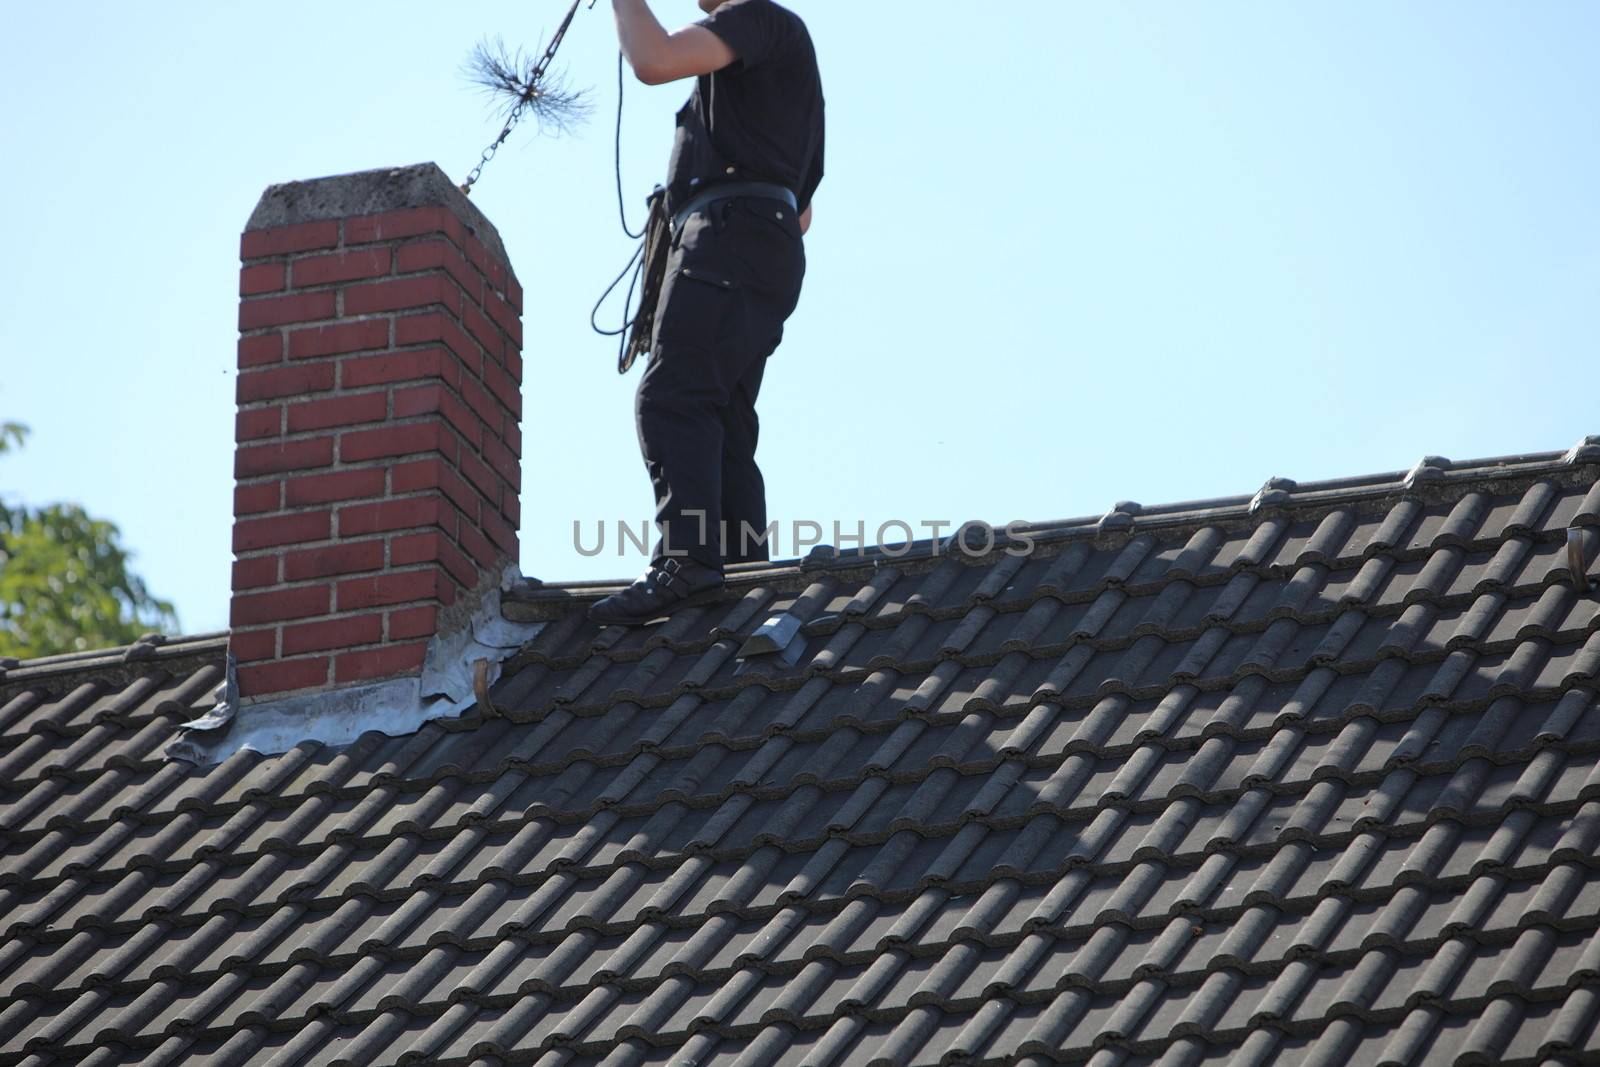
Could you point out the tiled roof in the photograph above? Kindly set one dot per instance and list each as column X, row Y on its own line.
column 1308, row 777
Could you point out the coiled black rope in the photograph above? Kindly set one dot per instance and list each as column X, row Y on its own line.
column 646, row 264
column 616, row 155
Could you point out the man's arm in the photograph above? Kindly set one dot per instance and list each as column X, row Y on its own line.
column 658, row 56
column 805, row 218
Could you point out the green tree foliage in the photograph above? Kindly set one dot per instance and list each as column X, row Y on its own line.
column 64, row 579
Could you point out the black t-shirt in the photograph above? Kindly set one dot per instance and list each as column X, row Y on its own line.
column 758, row 119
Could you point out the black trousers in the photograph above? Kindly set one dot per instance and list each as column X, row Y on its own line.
column 733, row 278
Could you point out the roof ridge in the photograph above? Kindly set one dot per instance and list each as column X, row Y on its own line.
column 1275, row 495
column 150, row 646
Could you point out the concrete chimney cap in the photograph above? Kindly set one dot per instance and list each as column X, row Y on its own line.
column 371, row 192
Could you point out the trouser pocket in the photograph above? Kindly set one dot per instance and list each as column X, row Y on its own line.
column 701, row 305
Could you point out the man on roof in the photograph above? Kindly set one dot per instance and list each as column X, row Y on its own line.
column 745, row 162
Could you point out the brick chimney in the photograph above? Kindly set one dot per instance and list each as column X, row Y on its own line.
column 378, row 467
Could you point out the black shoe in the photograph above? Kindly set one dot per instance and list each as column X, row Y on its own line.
column 668, row 585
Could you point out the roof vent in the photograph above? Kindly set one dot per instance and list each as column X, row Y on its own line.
column 819, row 556
column 1275, row 492
column 1120, row 517
column 1585, row 451
column 1428, row 469
column 778, row 636
column 144, row 648
column 973, row 537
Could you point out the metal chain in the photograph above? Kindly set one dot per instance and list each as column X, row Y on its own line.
column 528, row 95
column 488, row 153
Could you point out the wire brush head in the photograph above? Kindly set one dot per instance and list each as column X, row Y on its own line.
column 514, row 81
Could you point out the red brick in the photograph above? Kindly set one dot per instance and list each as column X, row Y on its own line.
column 413, row 622
column 460, row 565
column 412, row 222
column 340, row 267
column 338, row 485
column 504, row 388
column 478, row 398
column 339, row 339
column 261, row 278
column 255, row 572
column 436, row 326
column 410, row 548
column 481, row 548
column 283, row 676
column 251, row 534
column 480, row 475
column 469, row 504
column 500, row 532
column 487, row 263
column 394, row 588
column 513, row 438
column 485, row 332
column 280, row 240
column 256, row 423
column 464, row 420
column 399, row 294
column 504, row 317
column 431, row 548
column 511, row 508
column 354, row 557
column 503, row 462
column 326, row 634
column 431, row 399
column 276, row 382
column 435, row 474
column 416, row 475
column 253, row 646
column 403, row 440
column 417, row 400
column 513, row 362
column 418, row 365
column 259, row 311
column 390, row 661
column 256, row 499
column 415, row 547
column 250, row 461
column 439, row 254
column 279, row 605
column 387, row 515
column 338, row 411
column 261, row 349
column 513, row 290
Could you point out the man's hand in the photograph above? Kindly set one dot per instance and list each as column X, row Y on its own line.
column 805, row 218
column 657, row 56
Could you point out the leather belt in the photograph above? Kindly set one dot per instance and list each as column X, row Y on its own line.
column 723, row 190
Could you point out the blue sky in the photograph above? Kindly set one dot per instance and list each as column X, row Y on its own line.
column 1065, row 253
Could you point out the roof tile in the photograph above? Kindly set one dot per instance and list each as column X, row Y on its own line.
column 1312, row 780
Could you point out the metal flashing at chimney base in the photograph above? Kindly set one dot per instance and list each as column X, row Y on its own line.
column 339, row 716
